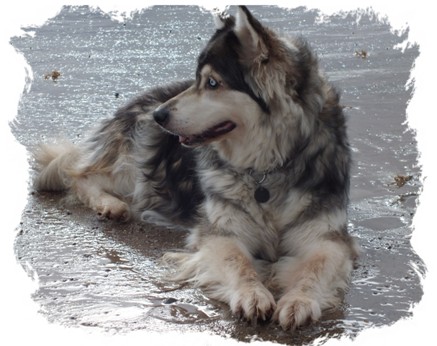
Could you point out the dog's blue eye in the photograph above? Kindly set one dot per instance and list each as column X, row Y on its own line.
column 212, row 83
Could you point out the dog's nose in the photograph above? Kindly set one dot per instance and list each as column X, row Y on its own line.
column 161, row 115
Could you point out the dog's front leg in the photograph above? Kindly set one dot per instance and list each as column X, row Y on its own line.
column 225, row 269
column 311, row 282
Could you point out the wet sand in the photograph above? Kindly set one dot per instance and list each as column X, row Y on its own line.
column 107, row 276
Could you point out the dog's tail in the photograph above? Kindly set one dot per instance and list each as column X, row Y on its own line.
column 55, row 162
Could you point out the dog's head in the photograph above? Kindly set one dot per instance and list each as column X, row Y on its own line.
column 247, row 96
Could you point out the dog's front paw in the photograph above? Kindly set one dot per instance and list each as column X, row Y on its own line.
column 252, row 302
column 296, row 310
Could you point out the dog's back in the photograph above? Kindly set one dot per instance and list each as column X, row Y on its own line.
column 127, row 158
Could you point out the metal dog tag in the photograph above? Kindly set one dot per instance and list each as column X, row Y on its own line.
column 262, row 195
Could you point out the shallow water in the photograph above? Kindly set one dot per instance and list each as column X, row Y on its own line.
column 107, row 276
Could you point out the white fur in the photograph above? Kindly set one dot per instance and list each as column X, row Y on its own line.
column 224, row 267
column 54, row 161
column 244, row 30
column 63, row 166
column 92, row 192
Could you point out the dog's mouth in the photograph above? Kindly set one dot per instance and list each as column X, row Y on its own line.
column 209, row 134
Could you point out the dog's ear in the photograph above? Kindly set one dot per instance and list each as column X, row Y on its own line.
column 222, row 19
column 251, row 34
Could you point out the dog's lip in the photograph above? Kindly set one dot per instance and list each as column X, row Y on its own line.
column 213, row 132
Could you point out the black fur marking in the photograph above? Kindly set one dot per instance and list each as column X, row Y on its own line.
column 221, row 53
column 304, row 60
column 180, row 184
column 314, row 170
column 171, row 170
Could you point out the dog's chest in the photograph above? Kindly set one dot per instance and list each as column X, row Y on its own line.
column 232, row 209
column 283, row 207
column 270, row 201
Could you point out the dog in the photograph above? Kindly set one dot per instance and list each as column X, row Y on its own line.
column 251, row 156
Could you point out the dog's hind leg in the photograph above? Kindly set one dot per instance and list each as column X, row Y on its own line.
column 225, row 269
column 94, row 181
column 91, row 191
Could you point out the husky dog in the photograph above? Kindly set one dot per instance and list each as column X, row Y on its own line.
column 252, row 156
